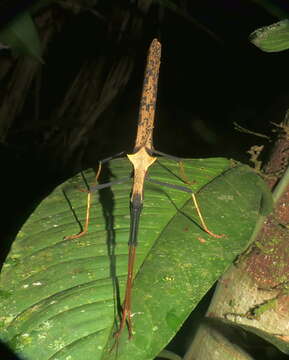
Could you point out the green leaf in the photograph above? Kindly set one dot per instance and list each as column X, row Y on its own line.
column 22, row 36
column 272, row 38
column 58, row 297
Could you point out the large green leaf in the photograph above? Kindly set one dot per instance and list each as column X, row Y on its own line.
column 57, row 299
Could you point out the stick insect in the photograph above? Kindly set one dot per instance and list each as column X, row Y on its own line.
column 143, row 156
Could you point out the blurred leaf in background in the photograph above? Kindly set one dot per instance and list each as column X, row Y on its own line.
column 21, row 35
column 272, row 38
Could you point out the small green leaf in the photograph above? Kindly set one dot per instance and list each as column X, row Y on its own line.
column 61, row 302
column 272, row 38
column 21, row 36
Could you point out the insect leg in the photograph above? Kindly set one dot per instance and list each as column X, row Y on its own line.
column 89, row 195
column 185, row 189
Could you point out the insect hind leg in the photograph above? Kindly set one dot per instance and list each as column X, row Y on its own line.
column 185, row 179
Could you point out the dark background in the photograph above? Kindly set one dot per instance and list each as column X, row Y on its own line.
column 211, row 76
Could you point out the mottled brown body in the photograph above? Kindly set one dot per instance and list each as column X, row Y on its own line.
column 142, row 157
column 141, row 160
column 149, row 97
